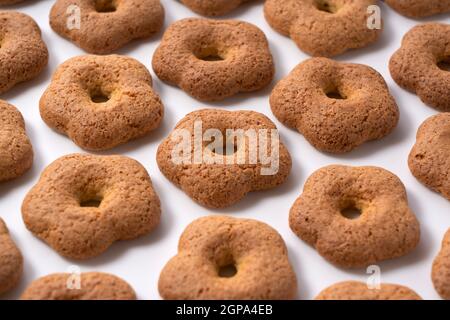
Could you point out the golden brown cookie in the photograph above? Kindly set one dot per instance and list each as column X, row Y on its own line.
column 16, row 152
column 355, row 290
column 103, row 26
column 220, row 257
column 323, row 27
column 221, row 176
column 336, row 106
column 355, row 216
column 422, row 64
column 212, row 60
column 419, row 8
column 441, row 269
column 429, row 160
column 11, row 261
column 101, row 101
column 9, row 2
column 83, row 203
column 213, row 7
column 23, row 53
column 89, row 286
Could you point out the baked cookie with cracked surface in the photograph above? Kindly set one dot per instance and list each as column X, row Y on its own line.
column 11, row 260
column 422, row 64
column 103, row 26
column 355, row 290
column 16, row 152
column 101, row 102
column 336, row 106
column 83, row 203
column 221, row 257
column 420, row 8
column 441, row 269
column 214, row 156
column 355, row 216
column 429, row 159
column 212, row 60
column 323, row 27
column 213, row 7
column 84, row 286
column 23, row 53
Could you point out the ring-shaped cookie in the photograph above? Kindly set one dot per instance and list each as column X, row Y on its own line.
column 23, row 53
column 422, row 64
column 420, row 8
column 221, row 257
column 324, row 27
column 83, row 203
column 440, row 272
column 103, row 26
column 336, row 106
column 101, row 101
column 324, row 216
column 213, row 7
column 212, row 60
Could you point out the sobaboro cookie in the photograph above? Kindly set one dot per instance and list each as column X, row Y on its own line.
column 221, row 257
column 429, row 159
column 11, row 261
column 212, row 60
column 213, row 7
column 323, row 27
column 83, row 203
column 103, row 26
column 355, row 216
column 422, row 64
column 336, row 106
column 101, row 101
column 419, row 8
column 216, row 157
column 355, row 290
column 16, row 152
column 441, row 269
column 23, row 54
column 83, row 286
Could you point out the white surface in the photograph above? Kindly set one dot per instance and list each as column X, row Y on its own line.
column 140, row 261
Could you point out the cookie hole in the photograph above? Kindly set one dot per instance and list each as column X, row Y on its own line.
column 91, row 202
column 335, row 93
column 222, row 147
column 227, row 271
column 209, row 54
column 326, row 6
column 444, row 64
column 351, row 212
column 99, row 96
column 105, row 6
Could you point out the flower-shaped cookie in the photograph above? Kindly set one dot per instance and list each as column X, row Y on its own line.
column 221, row 257
column 23, row 53
column 213, row 7
column 323, row 27
column 84, row 203
column 218, row 156
column 16, row 152
column 336, row 106
column 355, row 216
column 11, row 261
column 441, row 269
column 101, row 101
column 212, row 60
column 420, row 8
column 422, row 64
column 429, row 160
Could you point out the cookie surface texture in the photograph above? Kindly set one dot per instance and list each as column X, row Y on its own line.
column 212, row 60
column 323, row 28
column 23, row 53
column 208, row 245
column 215, row 177
column 441, row 269
column 83, row 203
column 355, row 216
column 355, row 290
column 84, row 286
column 422, row 64
column 336, row 106
column 11, row 261
column 213, row 7
column 103, row 26
column 101, row 102
column 419, row 8
column 16, row 152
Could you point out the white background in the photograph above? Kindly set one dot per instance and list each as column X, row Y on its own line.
column 140, row 261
